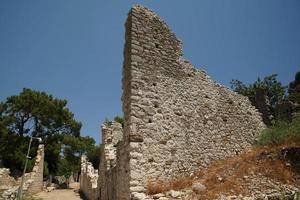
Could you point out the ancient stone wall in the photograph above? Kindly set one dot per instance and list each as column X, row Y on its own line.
column 112, row 134
column 177, row 119
column 6, row 181
column 34, row 180
column 88, row 179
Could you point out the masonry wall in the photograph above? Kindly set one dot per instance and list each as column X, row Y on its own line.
column 177, row 119
column 112, row 134
column 34, row 180
column 6, row 181
column 88, row 179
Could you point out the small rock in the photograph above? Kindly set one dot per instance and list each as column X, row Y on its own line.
column 223, row 197
column 175, row 194
column 137, row 189
column 49, row 189
column 188, row 191
column 157, row 196
column 198, row 188
column 136, row 58
column 139, row 196
column 163, row 198
column 220, row 179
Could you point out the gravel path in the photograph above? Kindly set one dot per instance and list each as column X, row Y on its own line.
column 65, row 194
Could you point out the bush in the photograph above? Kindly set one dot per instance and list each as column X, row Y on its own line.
column 120, row 120
column 280, row 133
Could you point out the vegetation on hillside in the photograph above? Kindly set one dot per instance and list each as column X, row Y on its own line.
column 274, row 100
column 280, row 133
column 269, row 86
column 281, row 129
column 294, row 89
column 237, row 175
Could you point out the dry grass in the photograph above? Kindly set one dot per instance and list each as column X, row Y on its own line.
column 230, row 176
column 177, row 183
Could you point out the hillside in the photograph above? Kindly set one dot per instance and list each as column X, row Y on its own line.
column 260, row 172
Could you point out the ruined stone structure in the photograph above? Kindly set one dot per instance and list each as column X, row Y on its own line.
column 177, row 119
column 88, row 179
column 6, row 181
column 33, row 182
column 112, row 134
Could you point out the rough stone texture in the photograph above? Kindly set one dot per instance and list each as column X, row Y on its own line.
column 6, row 181
column 88, row 179
column 10, row 194
column 198, row 188
column 264, row 188
column 34, row 180
column 112, row 134
column 177, row 119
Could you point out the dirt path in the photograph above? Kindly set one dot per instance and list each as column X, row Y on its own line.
column 65, row 194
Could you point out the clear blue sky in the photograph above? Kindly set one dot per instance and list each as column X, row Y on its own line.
column 73, row 49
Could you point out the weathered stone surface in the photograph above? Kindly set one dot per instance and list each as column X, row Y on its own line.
column 61, row 182
column 88, row 179
column 177, row 119
column 6, row 181
column 181, row 119
column 10, row 194
column 49, row 189
column 159, row 195
column 175, row 194
column 33, row 181
column 198, row 188
column 112, row 135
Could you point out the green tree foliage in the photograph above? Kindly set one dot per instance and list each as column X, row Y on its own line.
column 73, row 149
column 280, row 133
column 53, row 146
column 12, row 151
column 120, row 120
column 269, row 86
column 294, row 89
column 39, row 114
column 93, row 156
column 34, row 113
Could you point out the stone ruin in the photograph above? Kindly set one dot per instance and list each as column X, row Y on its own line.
column 112, row 134
column 177, row 119
column 88, row 179
column 90, row 185
column 33, row 182
column 5, row 179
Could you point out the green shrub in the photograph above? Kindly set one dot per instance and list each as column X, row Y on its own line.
column 120, row 120
column 280, row 132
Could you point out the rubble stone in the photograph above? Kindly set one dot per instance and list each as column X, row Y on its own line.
column 88, row 179
column 33, row 181
column 198, row 188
